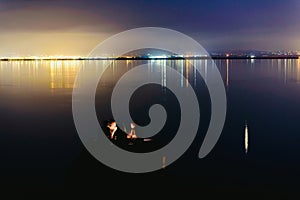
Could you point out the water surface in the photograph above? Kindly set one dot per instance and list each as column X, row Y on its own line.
column 41, row 151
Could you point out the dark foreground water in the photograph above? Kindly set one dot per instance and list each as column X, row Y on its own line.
column 41, row 152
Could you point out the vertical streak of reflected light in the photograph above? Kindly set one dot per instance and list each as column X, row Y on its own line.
column 62, row 74
column 279, row 70
column 127, row 63
column 164, row 74
column 164, row 162
column 181, row 72
column 285, row 74
column 1, row 72
column 205, row 70
column 227, row 73
column 114, row 70
column 187, row 73
column 246, row 138
column 298, row 70
column 195, row 74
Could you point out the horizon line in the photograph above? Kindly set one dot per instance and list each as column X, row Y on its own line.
column 150, row 58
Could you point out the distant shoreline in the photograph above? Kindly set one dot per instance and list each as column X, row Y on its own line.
column 145, row 58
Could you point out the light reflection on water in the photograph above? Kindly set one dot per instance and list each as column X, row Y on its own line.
column 264, row 92
column 62, row 74
column 41, row 75
column 57, row 77
column 246, row 138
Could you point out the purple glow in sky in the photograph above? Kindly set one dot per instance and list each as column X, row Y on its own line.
column 60, row 27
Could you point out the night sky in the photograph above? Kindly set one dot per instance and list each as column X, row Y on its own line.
column 58, row 27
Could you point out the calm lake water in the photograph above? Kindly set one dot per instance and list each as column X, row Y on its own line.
column 41, row 150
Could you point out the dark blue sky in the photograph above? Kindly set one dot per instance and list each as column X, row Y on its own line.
column 216, row 24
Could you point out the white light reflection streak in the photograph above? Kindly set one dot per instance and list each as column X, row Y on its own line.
column 246, row 138
column 227, row 73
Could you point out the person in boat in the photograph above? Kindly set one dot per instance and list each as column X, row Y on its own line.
column 132, row 134
column 112, row 130
column 115, row 134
